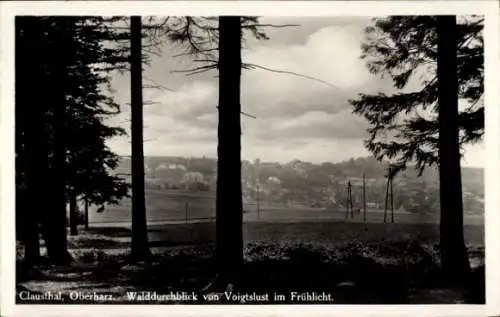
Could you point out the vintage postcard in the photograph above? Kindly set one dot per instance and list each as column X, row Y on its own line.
column 261, row 158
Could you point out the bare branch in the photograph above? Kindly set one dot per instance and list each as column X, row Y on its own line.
column 150, row 103
column 271, row 25
column 123, row 174
column 199, row 72
column 244, row 113
column 213, row 61
column 248, row 115
column 195, row 70
column 253, row 66
column 158, row 54
column 146, row 140
column 202, row 51
column 154, row 85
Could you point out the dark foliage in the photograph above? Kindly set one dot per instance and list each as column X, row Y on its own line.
column 404, row 124
column 61, row 103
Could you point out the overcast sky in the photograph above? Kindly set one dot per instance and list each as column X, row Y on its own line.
column 296, row 118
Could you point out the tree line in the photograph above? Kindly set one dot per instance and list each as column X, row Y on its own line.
column 61, row 103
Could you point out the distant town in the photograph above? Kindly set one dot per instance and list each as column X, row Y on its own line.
column 299, row 183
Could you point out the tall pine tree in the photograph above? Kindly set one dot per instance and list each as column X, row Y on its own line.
column 140, row 248
column 203, row 38
column 57, row 32
column 229, row 206
column 59, row 79
column 454, row 257
column 31, row 156
column 404, row 124
column 425, row 126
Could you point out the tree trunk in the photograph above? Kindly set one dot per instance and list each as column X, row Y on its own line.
column 27, row 206
column 86, row 215
column 229, row 205
column 73, row 213
column 140, row 248
column 54, row 223
column 392, row 201
column 29, row 129
column 454, row 258
column 364, row 199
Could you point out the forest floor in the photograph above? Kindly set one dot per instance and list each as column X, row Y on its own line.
column 355, row 263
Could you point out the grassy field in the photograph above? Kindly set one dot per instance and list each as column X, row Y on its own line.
column 285, row 250
column 387, row 264
column 328, row 234
column 179, row 205
column 325, row 233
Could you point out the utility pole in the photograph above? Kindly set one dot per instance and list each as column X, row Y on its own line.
column 389, row 192
column 258, row 201
column 386, row 196
column 257, row 179
column 349, row 201
column 392, row 203
column 364, row 198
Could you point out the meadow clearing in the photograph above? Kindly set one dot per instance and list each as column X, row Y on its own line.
column 178, row 206
column 285, row 250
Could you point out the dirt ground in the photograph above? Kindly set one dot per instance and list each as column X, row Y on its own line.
column 380, row 264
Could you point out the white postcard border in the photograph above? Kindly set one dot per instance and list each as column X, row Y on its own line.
column 261, row 8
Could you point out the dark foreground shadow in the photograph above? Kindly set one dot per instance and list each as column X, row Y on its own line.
column 403, row 272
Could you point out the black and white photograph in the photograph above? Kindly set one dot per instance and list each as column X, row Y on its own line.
column 249, row 159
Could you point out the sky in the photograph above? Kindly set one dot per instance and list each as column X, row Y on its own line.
column 296, row 118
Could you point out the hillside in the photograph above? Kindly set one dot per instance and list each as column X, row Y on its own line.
column 308, row 184
column 471, row 176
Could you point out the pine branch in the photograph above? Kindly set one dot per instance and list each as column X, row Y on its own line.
column 257, row 25
column 202, row 51
column 154, row 85
column 244, row 113
column 196, row 70
column 254, row 66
